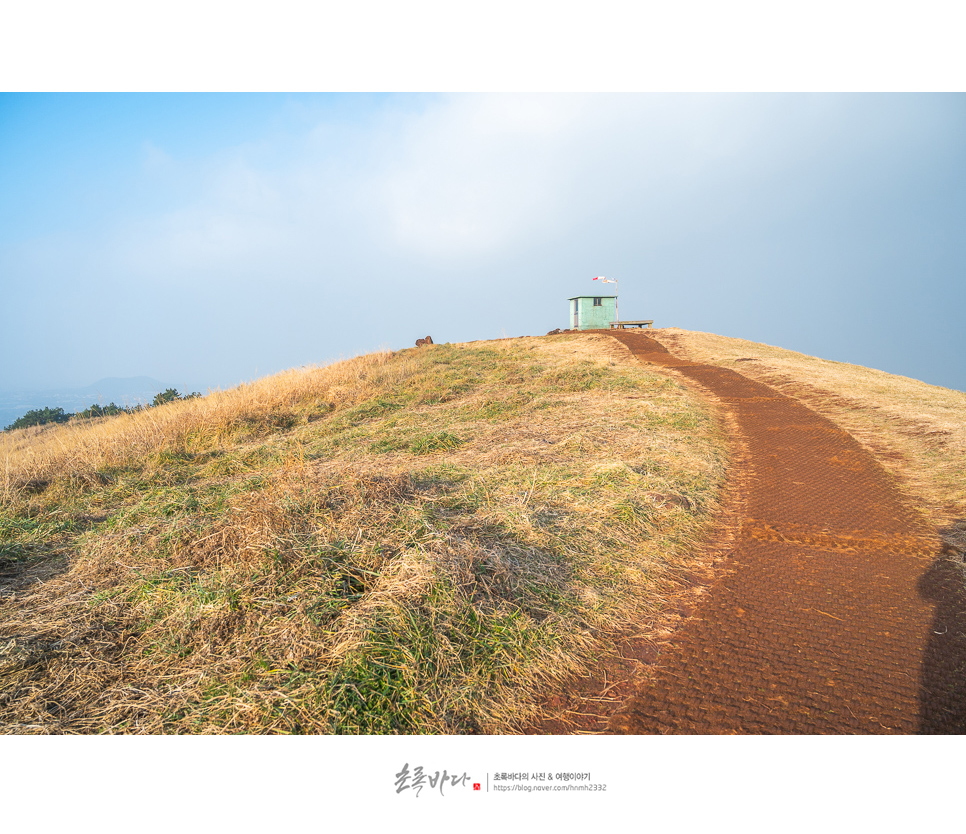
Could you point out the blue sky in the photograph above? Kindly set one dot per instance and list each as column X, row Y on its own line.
column 207, row 239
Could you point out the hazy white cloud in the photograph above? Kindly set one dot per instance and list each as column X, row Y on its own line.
column 475, row 175
column 464, row 177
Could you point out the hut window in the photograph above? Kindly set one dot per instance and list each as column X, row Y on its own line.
column 597, row 302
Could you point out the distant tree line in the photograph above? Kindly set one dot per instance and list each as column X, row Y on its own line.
column 42, row 416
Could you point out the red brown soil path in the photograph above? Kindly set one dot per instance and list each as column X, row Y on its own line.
column 833, row 614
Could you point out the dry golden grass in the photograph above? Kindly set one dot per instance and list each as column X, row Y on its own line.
column 84, row 448
column 400, row 543
column 916, row 430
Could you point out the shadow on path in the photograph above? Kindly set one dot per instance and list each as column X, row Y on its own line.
column 943, row 684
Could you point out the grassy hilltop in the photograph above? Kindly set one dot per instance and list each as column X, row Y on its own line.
column 427, row 541
column 420, row 541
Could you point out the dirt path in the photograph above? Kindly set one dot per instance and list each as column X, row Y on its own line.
column 834, row 614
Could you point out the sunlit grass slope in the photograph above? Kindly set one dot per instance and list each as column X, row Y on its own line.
column 411, row 542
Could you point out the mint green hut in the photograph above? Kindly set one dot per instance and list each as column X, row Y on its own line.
column 592, row 312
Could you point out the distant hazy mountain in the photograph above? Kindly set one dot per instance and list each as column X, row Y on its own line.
column 138, row 389
column 135, row 390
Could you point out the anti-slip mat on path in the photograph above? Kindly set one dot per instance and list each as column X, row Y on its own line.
column 835, row 612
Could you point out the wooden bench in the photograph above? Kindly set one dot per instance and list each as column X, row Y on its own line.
column 620, row 325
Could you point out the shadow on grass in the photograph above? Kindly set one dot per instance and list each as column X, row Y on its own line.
column 19, row 569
